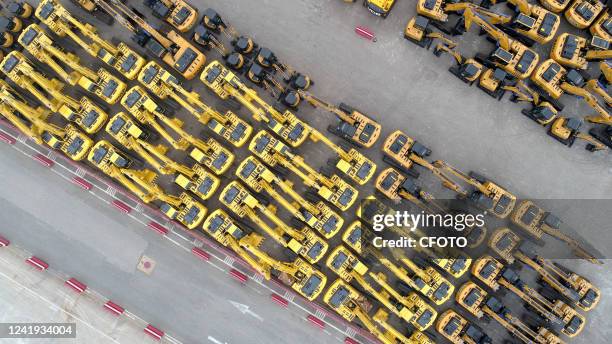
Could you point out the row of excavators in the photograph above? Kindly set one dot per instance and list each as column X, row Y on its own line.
column 121, row 117
column 514, row 67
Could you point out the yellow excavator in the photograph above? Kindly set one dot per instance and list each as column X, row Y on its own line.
column 166, row 86
column 410, row 308
column 505, row 242
column 123, row 129
column 542, row 111
column 319, row 216
column 574, row 288
column 354, row 126
column 537, row 222
column 178, row 13
column 582, row 13
column 169, row 46
column 331, row 188
column 303, row 242
column 575, row 52
column 419, row 32
column 121, row 57
column 398, row 150
column 510, row 55
column 227, row 85
column 459, row 330
column 477, row 301
column 602, row 27
column 467, row 70
column 397, row 187
column 210, row 153
column 101, row 83
column 20, row 9
column 601, row 85
column 567, row 129
column 555, row 312
column 556, row 6
column 50, row 92
column 33, row 122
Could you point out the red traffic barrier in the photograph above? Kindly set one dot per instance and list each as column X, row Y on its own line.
column 239, row 276
column 154, row 332
column 158, row 228
column 7, row 138
column 37, row 263
column 124, row 208
column 43, row 160
column 114, row 308
column 279, row 299
column 85, row 185
column 365, row 33
column 349, row 340
column 4, row 241
column 200, row 253
column 76, row 285
column 316, row 321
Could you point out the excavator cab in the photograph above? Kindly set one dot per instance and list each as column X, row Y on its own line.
column 505, row 242
column 582, row 13
column 533, row 219
column 459, row 330
column 20, row 9
column 379, row 8
column 398, row 148
column 103, row 152
column 189, row 212
column 417, row 30
column 471, row 297
column 467, row 70
column 74, row 144
column 566, row 130
column 487, row 269
column 344, row 263
column 177, row 13
column 602, row 27
column 493, row 80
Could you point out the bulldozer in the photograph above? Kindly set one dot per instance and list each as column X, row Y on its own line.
column 169, row 46
column 575, row 52
column 50, row 92
column 319, row 216
column 330, row 187
column 398, row 150
column 510, row 55
column 354, row 126
column 582, row 13
column 459, row 330
column 178, row 13
column 166, row 86
column 303, row 242
column 536, row 222
column 227, row 85
column 480, row 304
column 555, row 312
column 121, row 57
column 101, row 83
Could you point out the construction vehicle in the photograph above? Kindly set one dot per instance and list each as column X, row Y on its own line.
column 393, row 336
column 576, row 52
column 601, row 85
column 459, row 330
column 410, row 308
column 510, row 55
column 542, row 112
column 123, row 129
column 379, row 8
column 22, row 10
column 582, row 13
column 399, row 149
column 573, row 287
column 567, row 130
column 354, row 126
column 486, row 194
column 227, row 85
column 101, row 83
column 556, row 6
column 210, row 153
column 69, row 140
column 534, row 22
column 467, row 70
column 203, row 184
column 85, row 113
column 331, row 188
column 169, row 46
column 602, row 27
column 352, row 236
column 319, row 216
column 121, row 57
column 417, row 31
column 557, row 313
column 177, row 13
column 303, row 242
column 397, row 187
column 476, row 301
column 505, row 242
column 166, row 86
column 536, row 222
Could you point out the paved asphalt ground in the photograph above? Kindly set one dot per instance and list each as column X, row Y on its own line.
column 403, row 86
